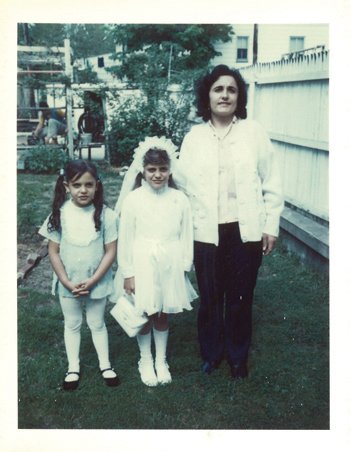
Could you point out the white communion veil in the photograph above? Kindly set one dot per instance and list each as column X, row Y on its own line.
column 161, row 143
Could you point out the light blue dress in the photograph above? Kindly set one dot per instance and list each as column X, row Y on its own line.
column 82, row 247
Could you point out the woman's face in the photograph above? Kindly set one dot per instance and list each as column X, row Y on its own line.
column 223, row 97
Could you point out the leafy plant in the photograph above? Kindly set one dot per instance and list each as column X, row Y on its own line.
column 46, row 159
column 181, row 46
column 27, row 211
column 87, row 75
column 139, row 118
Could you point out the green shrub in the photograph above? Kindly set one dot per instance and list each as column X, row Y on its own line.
column 157, row 115
column 28, row 213
column 46, row 159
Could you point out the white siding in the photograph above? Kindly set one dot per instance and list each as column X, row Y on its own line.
column 273, row 41
column 92, row 62
column 228, row 49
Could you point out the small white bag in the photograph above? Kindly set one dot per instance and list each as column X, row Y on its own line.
column 125, row 314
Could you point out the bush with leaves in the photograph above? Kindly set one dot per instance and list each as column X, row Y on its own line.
column 28, row 212
column 138, row 118
column 46, row 159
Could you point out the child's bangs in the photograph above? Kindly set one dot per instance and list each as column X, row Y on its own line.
column 156, row 156
column 78, row 175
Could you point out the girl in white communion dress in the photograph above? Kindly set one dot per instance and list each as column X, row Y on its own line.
column 155, row 250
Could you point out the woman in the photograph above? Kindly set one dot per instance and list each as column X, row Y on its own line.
column 228, row 169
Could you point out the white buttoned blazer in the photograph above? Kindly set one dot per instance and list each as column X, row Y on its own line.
column 257, row 180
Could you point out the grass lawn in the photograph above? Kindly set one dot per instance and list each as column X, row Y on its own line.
column 288, row 384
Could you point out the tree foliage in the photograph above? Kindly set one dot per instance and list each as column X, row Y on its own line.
column 47, row 35
column 153, row 50
column 89, row 40
column 138, row 117
column 152, row 59
column 197, row 39
column 86, row 40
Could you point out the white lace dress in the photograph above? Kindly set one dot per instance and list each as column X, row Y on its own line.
column 155, row 245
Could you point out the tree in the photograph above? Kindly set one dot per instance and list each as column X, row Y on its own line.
column 86, row 40
column 153, row 58
column 90, row 40
column 47, row 35
column 157, row 48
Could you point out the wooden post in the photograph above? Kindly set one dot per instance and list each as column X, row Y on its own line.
column 69, row 72
column 169, row 64
column 251, row 94
column 255, row 44
column 107, row 149
column 34, row 115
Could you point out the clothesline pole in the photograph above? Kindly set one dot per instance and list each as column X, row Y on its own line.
column 69, row 72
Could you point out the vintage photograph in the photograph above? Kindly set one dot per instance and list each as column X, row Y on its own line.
column 173, row 226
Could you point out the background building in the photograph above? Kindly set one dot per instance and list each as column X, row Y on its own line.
column 273, row 42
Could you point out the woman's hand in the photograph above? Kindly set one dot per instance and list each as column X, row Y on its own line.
column 268, row 243
column 129, row 285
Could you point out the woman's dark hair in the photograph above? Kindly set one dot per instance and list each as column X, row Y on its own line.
column 74, row 170
column 155, row 156
column 203, row 86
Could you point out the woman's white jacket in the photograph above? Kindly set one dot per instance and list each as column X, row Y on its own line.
column 257, row 180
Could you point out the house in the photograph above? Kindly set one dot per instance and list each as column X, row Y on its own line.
column 98, row 64
column 274, row 42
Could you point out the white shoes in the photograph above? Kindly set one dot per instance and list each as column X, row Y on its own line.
column 148, row 375
column 147, row 372
column 163, row 373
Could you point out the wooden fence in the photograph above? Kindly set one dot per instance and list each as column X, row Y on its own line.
column 290, row 99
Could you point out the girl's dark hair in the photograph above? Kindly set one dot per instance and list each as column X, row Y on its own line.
column 155, row 156
column 74, row 170
column 203, row 86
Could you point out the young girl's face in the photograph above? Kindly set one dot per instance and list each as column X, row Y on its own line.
column 157, row 175
column 82, row 190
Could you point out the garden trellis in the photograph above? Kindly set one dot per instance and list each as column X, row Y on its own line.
column 54, row 55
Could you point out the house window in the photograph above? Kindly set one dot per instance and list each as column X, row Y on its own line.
column 296, row 43
column 242, row 45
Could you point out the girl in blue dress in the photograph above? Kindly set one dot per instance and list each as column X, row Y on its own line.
column 82, row 235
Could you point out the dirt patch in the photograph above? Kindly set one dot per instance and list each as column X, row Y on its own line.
column 40, row 278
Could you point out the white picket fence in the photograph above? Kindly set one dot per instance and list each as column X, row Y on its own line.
column 290, row 99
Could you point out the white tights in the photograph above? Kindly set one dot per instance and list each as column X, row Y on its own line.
column 73, row 314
